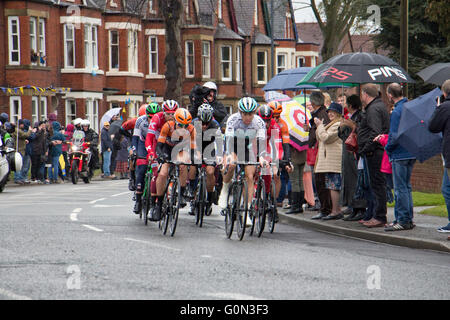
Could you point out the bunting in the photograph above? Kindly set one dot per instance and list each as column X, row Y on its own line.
column 37, row 90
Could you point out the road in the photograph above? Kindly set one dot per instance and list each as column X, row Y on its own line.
column 83, row 242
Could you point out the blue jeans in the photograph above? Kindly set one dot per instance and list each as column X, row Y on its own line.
column 401, row 174
column 446, row 191
column 23, row 173
column 53, row 174
column 285, row 185
column 106, row 162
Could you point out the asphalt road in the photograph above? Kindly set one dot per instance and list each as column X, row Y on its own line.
column 83, row 242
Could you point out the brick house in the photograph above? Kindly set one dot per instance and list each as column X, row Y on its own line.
column 79, row 58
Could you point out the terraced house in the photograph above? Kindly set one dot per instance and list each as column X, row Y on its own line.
column 79, row 58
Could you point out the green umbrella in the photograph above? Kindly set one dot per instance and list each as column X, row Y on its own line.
column 324, row 85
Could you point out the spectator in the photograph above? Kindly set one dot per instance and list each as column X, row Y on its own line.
column 319, row 111
column 329, row 157
column 342, row 100
column 122, row 158
column 38, row 141
column 374, row 121
column 106, row 150
column 326, row 99
column 21, row 135
column 355, row 207
column 440, row 122
column 402, row 163
column 114, row 130
column 55, row 151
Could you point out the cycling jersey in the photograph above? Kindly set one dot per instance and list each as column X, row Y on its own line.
column 275, row 130
column 154, row 128
column 206, row 137
column 171, row 136
column 237, row 129
column 139, row 135
column 285, row 154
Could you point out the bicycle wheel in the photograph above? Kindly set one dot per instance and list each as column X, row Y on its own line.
column 146, row 199
column 242, row 209
column 272, row 207
column 165, row 209
column 195, row 203
column 253, row 208
column 174, row 203
column 202, row 198
column 230, row 214
column 260, row 214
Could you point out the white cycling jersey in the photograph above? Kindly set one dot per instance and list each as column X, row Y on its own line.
column 238, row 129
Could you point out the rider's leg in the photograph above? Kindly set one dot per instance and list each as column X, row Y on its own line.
column 226, row 184
column 140, row 181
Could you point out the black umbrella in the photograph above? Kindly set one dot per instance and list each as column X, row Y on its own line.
column 436, row 73
column 360, row 67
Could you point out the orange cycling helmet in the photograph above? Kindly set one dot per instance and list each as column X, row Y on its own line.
column 276, row 107
column 142, row 109
column 183, row 116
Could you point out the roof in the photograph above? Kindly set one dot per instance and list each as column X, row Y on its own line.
column 244, row 10
column 222, row 32
column 309, row 32
column 260, row 38
column 206, row 9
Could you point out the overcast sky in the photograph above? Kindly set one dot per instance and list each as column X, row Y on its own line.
column 304, row 14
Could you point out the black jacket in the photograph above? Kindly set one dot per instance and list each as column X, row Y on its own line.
column 198, row 93
column 374, row 121
column 440, row 122
column 106, row 140
column 322, row 114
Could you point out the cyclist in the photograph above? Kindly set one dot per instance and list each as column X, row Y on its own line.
column 169, row 137
column 168, row 110
column 243, row 129
column 211, row 137
column 138, row 146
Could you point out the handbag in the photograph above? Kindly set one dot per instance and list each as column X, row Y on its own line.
column 311, row 155
column 351, row 143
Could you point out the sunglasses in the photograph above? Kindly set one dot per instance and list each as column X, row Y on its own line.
column 182, row 125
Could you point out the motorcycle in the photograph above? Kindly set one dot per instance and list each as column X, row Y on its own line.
column 10, row 160
column 79, row 156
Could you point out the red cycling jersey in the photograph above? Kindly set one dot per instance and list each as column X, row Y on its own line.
column 275, row 129
column 129, row 124
column 154, row 128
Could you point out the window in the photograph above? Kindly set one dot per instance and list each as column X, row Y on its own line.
column 92, row 113
column 225, row 62
column 34, row 110
column 15, row 109
column 261, row 60
column 14, row 40
column 206, row 58
column 71, row 111
column 114, row 49
column 132, row 51
column 133, row 109
column 189, row 59
column 238, row 63
column 281, row 62
column 69, row 46
column 300, row 62
column 41, row 42
column 90, row 47
column 153, row 55
column 43, row 108
column 33, row 41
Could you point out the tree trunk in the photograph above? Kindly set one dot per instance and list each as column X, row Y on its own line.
column 171, row 11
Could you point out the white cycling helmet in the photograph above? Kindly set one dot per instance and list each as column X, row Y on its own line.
column 210, row 85
column 77, row 121
column 85, row 122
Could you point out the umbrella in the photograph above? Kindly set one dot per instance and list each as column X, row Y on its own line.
column 413, row 133
column 436, row 73
column 108, row 115
column 357, row 68
column 288, row 79
column 296, row 117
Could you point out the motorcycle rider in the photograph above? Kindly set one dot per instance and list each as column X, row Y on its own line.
column 92, row 137
column 77, row 123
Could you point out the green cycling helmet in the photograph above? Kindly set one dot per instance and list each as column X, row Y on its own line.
column 247, row 105
column 152, row 108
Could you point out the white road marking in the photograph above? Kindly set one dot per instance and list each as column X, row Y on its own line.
column 119, row 194
column 13, row 296
column 94, row 201
column 92, row 228
column 109, row 205
column 77, row 210
column 73, row 216
column 232, row 296
column 206, row 256
column 153, row 244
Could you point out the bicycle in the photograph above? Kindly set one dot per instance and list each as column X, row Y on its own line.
column 146, row 194
column 237, row 201
column 198, row 202
column 258, row 205
column 172, row 198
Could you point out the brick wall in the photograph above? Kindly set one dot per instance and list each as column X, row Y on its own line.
column 427, row 176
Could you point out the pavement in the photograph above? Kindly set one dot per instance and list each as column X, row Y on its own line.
column 423, row 236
